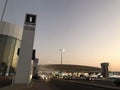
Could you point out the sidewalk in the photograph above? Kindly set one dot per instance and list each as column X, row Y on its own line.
column 36, row 85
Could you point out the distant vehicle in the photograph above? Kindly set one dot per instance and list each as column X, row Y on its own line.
column 92, row 77
column 67, row 77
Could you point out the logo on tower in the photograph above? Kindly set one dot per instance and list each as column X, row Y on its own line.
column 30, row 22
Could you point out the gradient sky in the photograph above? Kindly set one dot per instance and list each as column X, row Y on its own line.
column 88, row 30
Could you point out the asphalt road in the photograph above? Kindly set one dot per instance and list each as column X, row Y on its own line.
column 55, row 84
column 98, row 82
column 64, row 85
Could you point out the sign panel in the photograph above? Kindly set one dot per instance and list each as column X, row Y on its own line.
column 29, row 27
column 30, row 19
column 30, row 22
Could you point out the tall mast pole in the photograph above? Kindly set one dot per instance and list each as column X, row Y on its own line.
column 4, row 9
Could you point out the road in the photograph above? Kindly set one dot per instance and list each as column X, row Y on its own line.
column 65, row 85
column 106, row 82
column 55, row 84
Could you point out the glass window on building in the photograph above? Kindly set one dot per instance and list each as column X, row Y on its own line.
column 8, row 49
column 3, row 40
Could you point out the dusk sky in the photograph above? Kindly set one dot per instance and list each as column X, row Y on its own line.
column 88, row 30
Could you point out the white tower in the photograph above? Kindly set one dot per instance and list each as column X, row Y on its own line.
column 24, row 67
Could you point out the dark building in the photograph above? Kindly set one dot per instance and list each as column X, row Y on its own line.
column 105, row 71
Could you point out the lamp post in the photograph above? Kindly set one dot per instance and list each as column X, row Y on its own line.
column 61, row 50
column 4, row 9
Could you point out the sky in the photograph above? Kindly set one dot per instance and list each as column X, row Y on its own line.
column 88, row 30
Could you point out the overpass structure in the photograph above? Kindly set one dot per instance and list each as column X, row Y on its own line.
column 68, row 68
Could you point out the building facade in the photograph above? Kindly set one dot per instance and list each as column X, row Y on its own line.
column 10, row 40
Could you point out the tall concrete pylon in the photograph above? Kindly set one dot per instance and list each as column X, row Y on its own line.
column 24, row 67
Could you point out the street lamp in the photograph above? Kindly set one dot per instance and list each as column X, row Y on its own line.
column 61, row 50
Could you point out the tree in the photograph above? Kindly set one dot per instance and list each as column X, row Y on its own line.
column 3, row 68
